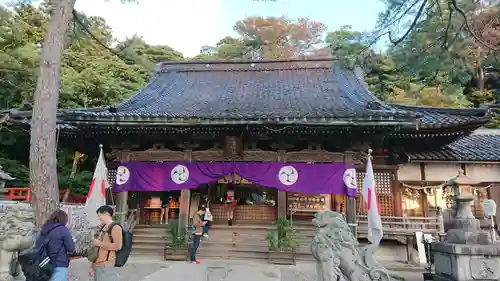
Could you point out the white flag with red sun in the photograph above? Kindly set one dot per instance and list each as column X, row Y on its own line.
column 370, row 197
column 97, row 192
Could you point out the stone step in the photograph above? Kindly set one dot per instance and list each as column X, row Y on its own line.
column 242, row 253
column 151, row 236
column 143, row 241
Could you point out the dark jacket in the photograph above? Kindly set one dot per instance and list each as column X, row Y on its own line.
column 59, row 243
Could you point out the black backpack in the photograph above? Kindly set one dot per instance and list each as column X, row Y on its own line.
column 36, row 263
column 122, row 254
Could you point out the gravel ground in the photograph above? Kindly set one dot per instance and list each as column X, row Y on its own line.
column 132, row 271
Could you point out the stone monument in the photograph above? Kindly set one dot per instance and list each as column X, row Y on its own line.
column 468, row 252
column 339, row 256
column 17, row 233
column 79, row 226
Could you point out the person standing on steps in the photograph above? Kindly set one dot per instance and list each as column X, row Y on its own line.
column 165, row 208
column 198, row 225
column 207, row 217
column 231, row 204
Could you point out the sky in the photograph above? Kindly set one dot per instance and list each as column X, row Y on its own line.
column 187, row 25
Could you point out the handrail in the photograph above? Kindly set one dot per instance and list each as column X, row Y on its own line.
column 131, row 220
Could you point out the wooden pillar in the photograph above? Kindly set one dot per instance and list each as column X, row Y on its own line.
column 282, row 204
column 351, row 202
column 122, row 206
column 184, row 200
column 425, row 204
column 396, row 191
column 122, row 199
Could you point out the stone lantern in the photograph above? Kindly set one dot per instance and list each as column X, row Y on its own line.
column 4, row 177
column 468, row 252
column 465, row 227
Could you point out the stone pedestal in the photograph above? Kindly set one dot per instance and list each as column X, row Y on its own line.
column 456, row 262
column 468, row 253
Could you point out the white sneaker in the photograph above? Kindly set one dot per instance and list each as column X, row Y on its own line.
column 205, row 235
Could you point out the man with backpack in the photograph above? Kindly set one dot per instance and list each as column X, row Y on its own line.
column 112, row 245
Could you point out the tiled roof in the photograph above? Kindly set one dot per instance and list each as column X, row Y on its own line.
column 475, row 147
column 438, row 117
column 257, row 90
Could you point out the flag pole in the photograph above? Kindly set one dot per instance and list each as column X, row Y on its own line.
column 375, row 229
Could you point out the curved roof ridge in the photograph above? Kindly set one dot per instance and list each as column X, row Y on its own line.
column 365, row 97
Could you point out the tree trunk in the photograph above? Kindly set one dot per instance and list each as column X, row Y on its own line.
column 43, row 161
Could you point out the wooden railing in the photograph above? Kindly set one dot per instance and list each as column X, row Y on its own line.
column 24, row 194
column 18, row 194
column 405, row 225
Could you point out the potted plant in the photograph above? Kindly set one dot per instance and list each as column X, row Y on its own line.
column 282, row 243
column 176, row 246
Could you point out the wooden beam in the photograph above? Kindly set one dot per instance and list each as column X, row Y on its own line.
column 282, row 195
column 396, row 190
column 351, row 202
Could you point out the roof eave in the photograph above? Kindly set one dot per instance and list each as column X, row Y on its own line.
column 455, row 161
column 152, row 121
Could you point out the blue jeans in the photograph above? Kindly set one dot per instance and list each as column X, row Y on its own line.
column 194, row 248
column 59, row 274
column 205, row 228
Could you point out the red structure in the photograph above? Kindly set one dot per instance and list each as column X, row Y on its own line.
column 24, row 194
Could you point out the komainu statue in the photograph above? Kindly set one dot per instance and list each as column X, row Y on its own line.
column 17, row 233
column 339, row 256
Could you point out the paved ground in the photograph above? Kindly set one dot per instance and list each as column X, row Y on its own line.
column 212, row 270
column 132, row 271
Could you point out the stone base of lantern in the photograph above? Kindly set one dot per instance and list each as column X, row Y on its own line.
column 459, row 262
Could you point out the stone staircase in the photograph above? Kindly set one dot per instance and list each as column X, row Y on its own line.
column 237, row 242
column 242, row 242
column 149, row 240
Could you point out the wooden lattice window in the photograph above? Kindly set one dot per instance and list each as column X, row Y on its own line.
column 383, row 181
column 111, row 177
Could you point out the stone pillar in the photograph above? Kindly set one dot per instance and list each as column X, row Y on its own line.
column 122, row 206
column 351, row 202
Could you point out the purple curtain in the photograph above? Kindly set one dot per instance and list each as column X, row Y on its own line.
column 293, row 177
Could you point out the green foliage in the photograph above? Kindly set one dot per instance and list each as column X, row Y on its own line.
column 14, row 160
column 79, row 182
column 283, row 238
column 176, row 238
column 92, row 76
column 443, row 64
